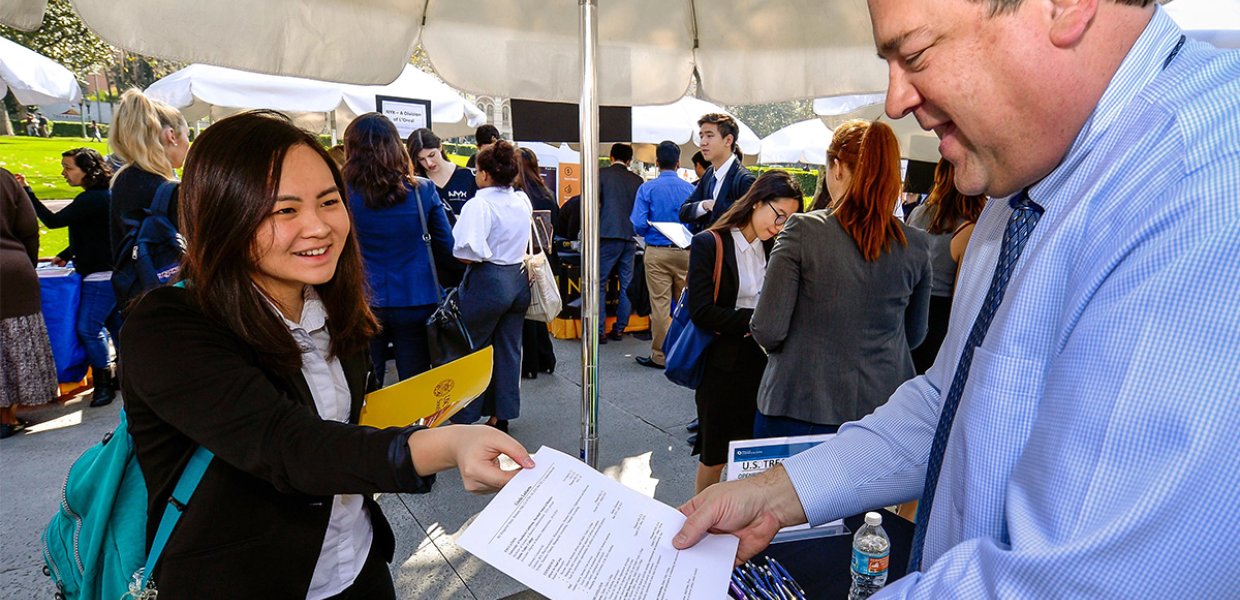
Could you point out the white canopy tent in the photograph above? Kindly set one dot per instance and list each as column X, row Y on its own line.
column 801, row 142
column 915, row 142
column 202, row 91
column 629, row 53
column 550, row 156
column 678, row 122
column 33, row 78
column 650, row 49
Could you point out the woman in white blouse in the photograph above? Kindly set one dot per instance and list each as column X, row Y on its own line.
column 726, row 399
column 491, row 236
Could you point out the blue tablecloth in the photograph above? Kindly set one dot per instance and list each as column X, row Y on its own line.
column 62, row 291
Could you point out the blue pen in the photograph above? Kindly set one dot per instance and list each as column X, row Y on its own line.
column 786, row 576
column 740, row 584
column 775, row 583
column 759, row 585
column 796, row 587
column 736, row 591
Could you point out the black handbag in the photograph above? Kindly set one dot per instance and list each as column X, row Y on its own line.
column 447, row 337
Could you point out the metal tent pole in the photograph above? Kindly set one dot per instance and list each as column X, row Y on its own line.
column 590, row 299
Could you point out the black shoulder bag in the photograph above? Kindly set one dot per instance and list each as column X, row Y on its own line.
column 447, row 337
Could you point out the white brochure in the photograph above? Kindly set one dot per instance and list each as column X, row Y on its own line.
column 747, row 458
column 568, row 531
column 676, row 232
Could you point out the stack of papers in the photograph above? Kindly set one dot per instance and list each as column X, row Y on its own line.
column 568, row 531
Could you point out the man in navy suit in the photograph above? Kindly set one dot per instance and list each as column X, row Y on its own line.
column 724, row 181
column 617, row 187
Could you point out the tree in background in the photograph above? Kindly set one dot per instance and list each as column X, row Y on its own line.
column 64, row 38
column 765, row 119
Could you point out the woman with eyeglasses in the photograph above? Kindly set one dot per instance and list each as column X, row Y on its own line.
column 733, row 362
column 847, row 295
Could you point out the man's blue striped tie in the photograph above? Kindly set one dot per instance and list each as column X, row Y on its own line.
column 1025, row 215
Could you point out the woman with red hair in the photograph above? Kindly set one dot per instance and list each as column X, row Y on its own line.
column 846, row 295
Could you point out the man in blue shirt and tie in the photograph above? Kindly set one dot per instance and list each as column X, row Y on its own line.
column 658, row 201
column 1077, row 435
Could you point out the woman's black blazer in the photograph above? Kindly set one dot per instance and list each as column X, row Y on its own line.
column 720, row 316
column 255, row 525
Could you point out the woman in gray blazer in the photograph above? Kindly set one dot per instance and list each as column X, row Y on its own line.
column 846, row 296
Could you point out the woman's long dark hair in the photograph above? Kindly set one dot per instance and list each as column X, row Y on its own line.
column 419, row 140
column 770, row 186
column 231, row 178
column 951, row 208
column 531, row 180
column 867, row 210
column 376, row 163
column 98, row 173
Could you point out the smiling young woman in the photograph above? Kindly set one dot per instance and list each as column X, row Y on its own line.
column 260, row 357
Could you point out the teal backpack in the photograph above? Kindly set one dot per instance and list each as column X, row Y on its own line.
column 94, row 548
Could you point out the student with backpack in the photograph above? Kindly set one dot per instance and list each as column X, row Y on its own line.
column 152, row 138
column 259, row 356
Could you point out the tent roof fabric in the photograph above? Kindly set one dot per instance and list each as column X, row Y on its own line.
column 199, row 89
column 802, row 142
column 648, row 49
column 34, row 78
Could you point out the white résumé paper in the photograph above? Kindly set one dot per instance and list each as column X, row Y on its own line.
column 568, row 531
column 676, row 232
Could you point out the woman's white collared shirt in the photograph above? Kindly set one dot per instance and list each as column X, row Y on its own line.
column 750, row 269
column 349, row 533
column 494, row 227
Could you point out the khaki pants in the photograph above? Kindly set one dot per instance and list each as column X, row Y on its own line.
column 666, row 268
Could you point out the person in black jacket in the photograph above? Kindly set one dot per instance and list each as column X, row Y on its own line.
column 152, row 139
column 727, row 397
column 617, row 190
column 259, row 355
column 726, row 179
column 537, row 353
column 90, row 250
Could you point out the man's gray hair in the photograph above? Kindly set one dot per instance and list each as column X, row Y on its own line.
column 1000, row 7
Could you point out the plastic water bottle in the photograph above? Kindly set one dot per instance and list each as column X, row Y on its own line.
column 871, row 550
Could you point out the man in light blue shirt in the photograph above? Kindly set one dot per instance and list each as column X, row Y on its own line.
column 1094, row 444
column 658, row 201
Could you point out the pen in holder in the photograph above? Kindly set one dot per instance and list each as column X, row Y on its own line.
column 769, row 582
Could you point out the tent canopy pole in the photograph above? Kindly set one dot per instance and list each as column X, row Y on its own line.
column 590, row 300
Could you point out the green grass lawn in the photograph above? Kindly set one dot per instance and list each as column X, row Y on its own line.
column 39, row 160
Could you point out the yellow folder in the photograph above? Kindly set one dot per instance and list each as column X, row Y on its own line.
column 432, row 396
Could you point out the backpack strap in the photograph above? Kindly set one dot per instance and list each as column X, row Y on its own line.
column 177, row 502
column 163, row 197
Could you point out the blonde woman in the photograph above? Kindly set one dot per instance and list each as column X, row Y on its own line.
column 152, row 139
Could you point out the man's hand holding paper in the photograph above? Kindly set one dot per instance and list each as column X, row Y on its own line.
column 567, row 531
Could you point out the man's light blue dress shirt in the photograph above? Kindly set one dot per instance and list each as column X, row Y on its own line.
column 658, row 201
column 1096, row 450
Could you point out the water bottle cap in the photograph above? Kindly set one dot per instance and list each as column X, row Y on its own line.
column 873, row 519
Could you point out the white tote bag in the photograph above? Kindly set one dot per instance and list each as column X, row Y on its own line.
column 545, row 302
